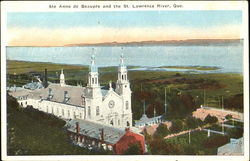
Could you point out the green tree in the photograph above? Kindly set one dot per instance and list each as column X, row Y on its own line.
column 134, row 149
column 210, row 119
column 177, row 126
column 191, row 122
column 162, row 130
column 228, row 117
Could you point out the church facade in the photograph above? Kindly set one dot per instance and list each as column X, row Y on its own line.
column 106, row 106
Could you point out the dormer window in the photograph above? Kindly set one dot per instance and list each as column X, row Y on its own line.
column 50, row 94
column 66, row 96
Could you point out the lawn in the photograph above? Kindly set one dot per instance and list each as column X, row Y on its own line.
column 197, row 141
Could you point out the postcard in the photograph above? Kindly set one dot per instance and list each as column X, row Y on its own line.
column 124, row 80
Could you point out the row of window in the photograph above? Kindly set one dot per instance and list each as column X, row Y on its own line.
column 98, row 109
column 63, row 112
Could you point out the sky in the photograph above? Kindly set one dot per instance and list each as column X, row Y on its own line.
column 61, row 28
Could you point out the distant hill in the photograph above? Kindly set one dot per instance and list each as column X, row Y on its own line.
column 165, row 42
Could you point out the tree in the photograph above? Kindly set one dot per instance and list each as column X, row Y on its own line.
column 134, row 149
column 191, row 122
column 210, row 119
column 228, row 117
column 162, row 130
column 177, row 126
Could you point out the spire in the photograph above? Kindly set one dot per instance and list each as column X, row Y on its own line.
column 144, row 107
column 122, row 59
column 93, row 67
column 62, row 78
column 110, row 85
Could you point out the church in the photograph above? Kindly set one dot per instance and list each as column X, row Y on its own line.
column 91, row 103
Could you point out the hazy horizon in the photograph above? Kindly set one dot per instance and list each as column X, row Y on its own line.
column 59, row 29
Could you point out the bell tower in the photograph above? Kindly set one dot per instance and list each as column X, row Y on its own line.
column 93, row 92
column 122, row 84
column 123, row 89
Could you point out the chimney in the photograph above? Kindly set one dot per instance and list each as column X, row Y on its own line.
column 102, row 135
column 45, row 78
column 77, row 128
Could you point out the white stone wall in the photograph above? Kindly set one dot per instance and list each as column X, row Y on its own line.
column 58, row 109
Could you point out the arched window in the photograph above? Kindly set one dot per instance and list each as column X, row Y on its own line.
column 97, row 111
column 89, row 112
column 68, row 113
column 122, row 77
column 127, row 105
column 128, row 123
column 111, row 122
column 93, row 80
column 118, row 122
column 74, row 114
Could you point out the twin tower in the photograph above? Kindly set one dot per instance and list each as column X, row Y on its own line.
column 112, row 106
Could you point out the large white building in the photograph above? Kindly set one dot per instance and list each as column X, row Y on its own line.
column 92, row 103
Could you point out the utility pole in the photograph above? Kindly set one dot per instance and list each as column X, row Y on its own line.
column 219, row 101
column 204, row 97
column 222, row 103
column 144, row 107
column 165, row 102
column 189, row 136
column 223, row 127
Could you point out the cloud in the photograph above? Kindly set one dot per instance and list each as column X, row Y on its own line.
column 60, row 36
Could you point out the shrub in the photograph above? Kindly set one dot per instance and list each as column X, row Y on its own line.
column 134, row 149
column 235, row 132
column 210, row 119
column 177, row 126
column 162, row 130
column 213, row 142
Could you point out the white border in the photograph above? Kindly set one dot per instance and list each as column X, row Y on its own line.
column 32, row 6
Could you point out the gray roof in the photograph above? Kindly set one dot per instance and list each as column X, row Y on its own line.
column 19, row 92
column 144, row 119
column 104, row 92
column 91, row 129
column 74, row 93
column 33, row 85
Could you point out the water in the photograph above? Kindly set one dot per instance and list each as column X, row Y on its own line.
column 227, row 57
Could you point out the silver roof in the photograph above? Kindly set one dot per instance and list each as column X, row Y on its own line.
column 144, row 119
column 91, row 129
column 57, row 94
column 33, row 85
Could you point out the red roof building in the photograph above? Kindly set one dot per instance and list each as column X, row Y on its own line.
column 92, row 135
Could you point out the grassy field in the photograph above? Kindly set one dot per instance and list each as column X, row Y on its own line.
column 196, row 146
column 214, row 85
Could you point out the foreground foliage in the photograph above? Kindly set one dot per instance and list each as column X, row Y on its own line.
column 31, row 132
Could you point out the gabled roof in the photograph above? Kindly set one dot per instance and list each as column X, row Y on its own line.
column 110, row 92
column 74, row 93
column 91, row 129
